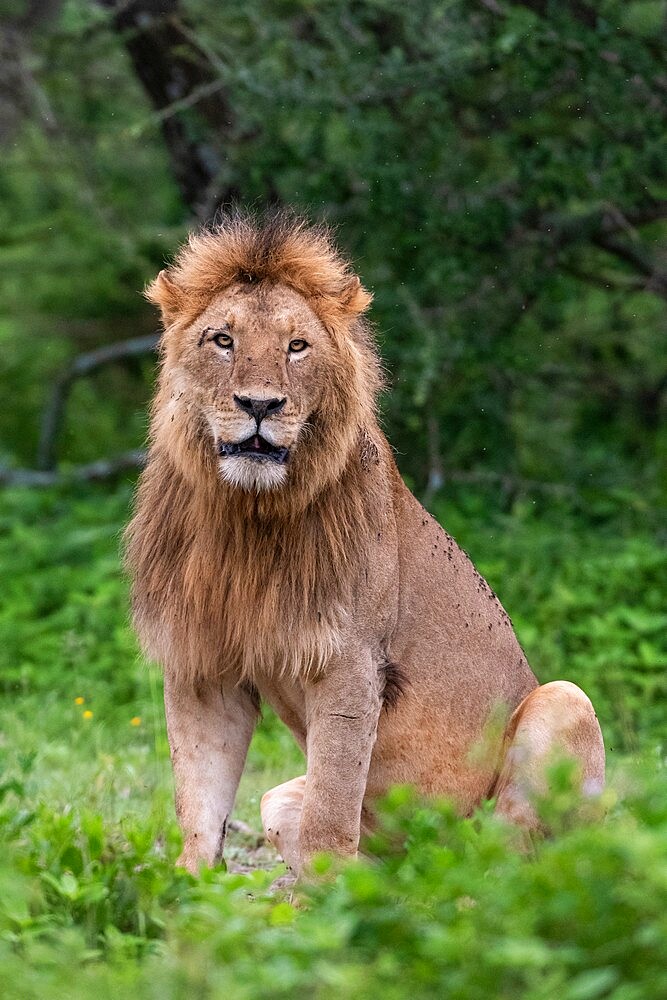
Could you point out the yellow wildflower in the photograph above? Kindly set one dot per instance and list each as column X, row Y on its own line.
column 136, row 721
column 79, row 700
column 87, row 714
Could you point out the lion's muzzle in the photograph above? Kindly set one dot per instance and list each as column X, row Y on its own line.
column 255, row 448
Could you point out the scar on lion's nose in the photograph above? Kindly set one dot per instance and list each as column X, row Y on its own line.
column 259, row 408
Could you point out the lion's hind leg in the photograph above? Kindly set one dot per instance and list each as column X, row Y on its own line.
column 555, row 720
column 281, row 815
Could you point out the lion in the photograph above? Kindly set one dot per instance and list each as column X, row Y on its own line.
column 278, row 556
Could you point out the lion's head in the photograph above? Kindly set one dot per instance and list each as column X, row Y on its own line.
column 269, row 372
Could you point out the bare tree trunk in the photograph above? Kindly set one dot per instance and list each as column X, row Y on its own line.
column 20, row 94
column 436, row 475
column 183, row 82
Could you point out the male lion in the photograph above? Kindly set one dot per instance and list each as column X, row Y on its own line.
column 277, row 554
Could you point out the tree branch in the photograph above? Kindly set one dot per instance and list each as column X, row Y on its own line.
column 82, row 365
column 511, row 484
column 638, row 258
column 602, row 227
column 105, row 468
column 579, row 9
column 654, row 212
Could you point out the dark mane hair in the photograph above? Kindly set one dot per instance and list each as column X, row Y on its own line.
column 276, row 246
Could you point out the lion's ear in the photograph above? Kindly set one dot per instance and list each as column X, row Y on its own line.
column 355, row 297
column 167, row 295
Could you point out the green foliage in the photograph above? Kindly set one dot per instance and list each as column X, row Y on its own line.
column 447, row 906
column 468, row 154
column 66, row 602
column 473, row 156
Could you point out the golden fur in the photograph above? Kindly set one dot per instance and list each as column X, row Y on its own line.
column 276, row 552
column 214, row 566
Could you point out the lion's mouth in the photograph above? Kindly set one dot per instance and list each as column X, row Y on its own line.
column 255, row 447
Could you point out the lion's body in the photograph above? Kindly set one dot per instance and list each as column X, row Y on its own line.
column 320, row 583
column 451, row 651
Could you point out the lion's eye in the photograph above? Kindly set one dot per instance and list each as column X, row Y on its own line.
column 296, row 346
column 222, row 339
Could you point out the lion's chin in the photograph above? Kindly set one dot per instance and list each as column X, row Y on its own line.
column 252, row 474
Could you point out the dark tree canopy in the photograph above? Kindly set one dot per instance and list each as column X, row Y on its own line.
column 498, row 170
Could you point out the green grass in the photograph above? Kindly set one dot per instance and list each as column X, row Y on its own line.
column 90, row 902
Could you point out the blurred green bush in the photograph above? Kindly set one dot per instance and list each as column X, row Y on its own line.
column 447, row 907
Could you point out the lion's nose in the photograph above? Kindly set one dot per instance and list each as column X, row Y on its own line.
column 259, row 408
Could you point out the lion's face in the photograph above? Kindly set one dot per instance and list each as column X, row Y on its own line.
column 255, row 363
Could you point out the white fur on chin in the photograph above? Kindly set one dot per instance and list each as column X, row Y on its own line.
column 249, row 474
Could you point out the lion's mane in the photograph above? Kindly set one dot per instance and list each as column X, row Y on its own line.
column 226, row 580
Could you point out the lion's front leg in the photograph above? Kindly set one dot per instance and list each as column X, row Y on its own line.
column 209, row 728
column 342, row 711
